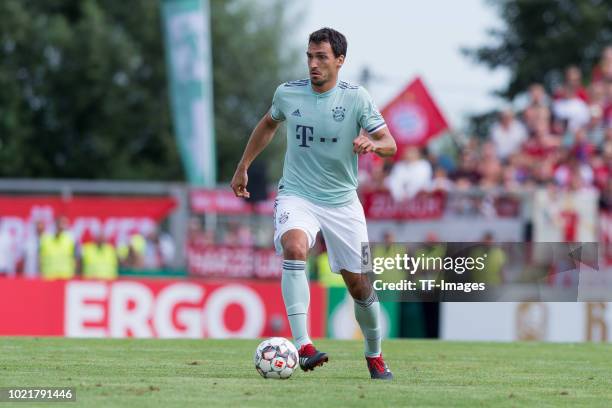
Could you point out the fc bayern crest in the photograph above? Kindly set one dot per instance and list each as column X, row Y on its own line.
column 410, row 122
column 338, row 113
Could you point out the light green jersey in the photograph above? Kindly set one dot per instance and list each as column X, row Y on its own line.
column 320, row 165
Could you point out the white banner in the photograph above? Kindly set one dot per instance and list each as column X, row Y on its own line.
column 560, row 216
column 511, row 321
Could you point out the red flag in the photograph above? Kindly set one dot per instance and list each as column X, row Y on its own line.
column 413, row 117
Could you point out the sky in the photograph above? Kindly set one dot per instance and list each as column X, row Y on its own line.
column 398, row 40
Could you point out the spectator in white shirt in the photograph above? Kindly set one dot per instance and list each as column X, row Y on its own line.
column 571, row 101
column 508, row 134
column 410, row 175
column 159, row 250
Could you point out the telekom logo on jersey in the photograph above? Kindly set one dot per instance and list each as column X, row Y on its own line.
column 306, row 133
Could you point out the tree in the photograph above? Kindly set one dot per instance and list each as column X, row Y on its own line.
column 247, row 69
column 541, row 38
column 84, row 94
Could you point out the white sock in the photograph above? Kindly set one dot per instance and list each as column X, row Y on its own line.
column 367, row 313
column 296, row 296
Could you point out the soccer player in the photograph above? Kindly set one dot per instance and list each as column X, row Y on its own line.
column 318, row 189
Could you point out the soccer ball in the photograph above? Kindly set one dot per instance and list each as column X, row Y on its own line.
column 276, row 357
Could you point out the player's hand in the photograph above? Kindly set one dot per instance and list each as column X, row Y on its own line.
column 363, row 145
column 239, row 183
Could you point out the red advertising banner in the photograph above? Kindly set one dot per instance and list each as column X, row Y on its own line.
column 233, row 262
column 413, row 116
column 150, row 308
column 224, row 201
column 238, row 261
column 115, row 217
column 31, row 307
column 425, row 205
column 102, row 208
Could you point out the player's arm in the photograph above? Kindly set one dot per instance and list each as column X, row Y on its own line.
column 380, row 142
column 260, row 138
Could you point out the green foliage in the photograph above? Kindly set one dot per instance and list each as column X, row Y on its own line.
column 83, row 86
column 541, row 38
column 248, row 66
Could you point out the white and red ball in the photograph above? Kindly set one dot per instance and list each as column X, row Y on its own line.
column 276, row 357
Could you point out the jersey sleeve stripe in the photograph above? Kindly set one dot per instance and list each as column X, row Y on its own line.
column 346, row 85
column 375, row 128
column 273, row 118
column 298, row 82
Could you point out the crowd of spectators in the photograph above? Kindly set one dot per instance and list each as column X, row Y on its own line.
column 561, row 137
column 52, row 252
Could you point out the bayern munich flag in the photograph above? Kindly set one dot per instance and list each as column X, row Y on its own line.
column 413, row 117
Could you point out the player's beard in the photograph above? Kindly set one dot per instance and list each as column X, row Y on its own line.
column 319, row 82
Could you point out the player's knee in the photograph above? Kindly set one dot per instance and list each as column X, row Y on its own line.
column 295, row 250
column 359, row 289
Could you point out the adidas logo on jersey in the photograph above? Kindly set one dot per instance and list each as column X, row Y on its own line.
column 297, row 113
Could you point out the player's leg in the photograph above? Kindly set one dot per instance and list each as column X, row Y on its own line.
column 294, row 284
column 345, row 230
column 295, row 230
column 367, row 314
column 367, row 310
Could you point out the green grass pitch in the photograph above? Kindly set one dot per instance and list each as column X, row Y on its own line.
column 220, row 373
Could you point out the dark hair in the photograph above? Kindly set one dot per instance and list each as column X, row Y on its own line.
column 336, row 39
